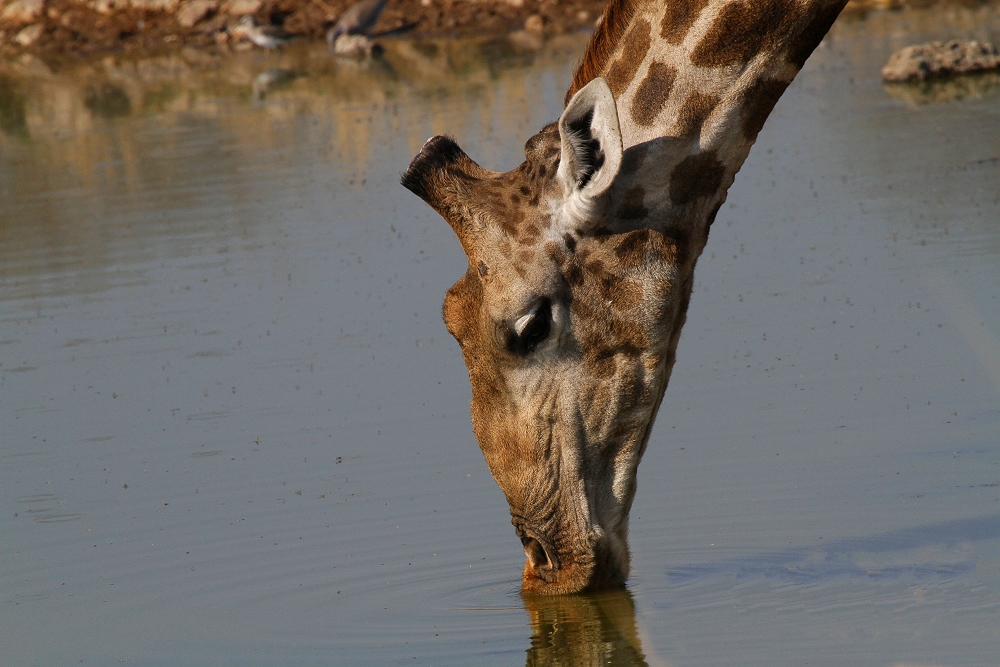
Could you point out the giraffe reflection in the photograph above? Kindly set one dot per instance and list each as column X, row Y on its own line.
column 584, row 630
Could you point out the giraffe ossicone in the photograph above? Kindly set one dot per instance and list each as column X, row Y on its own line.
column 581, row 260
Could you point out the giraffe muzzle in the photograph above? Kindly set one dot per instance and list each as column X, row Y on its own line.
column 589, row 565
column 541, row 556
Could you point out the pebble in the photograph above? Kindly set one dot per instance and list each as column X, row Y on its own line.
column 22, row 10
column 29, row 35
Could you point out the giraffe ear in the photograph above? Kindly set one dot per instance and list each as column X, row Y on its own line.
column 591, row 145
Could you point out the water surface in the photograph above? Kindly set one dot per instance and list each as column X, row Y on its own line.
column 233, row 429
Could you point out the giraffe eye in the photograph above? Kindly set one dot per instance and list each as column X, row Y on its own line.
column 533, row 328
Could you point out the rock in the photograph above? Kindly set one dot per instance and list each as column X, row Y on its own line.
column 108, row 6
column 355, row 45
column 153, row 5
column 29, row 35
column 190, row 13
column 534, row 23
column 22, row 11
column 241, row 7
column 935, row 59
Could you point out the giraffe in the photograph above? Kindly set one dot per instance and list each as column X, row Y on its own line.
column 581, row 260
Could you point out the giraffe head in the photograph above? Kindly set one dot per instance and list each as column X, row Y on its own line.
column 581, row 260
column 560, row 320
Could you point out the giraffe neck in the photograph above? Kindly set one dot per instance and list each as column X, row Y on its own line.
column 694, row 81
column 673, row 64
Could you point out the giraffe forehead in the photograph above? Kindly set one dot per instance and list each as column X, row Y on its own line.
column 515, row 210
column 514, row 275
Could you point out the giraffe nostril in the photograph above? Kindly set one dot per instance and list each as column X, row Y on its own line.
column 538, row 558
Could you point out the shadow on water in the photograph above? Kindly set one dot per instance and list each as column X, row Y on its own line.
column 596, row 629
column 12, row 115
column 107, row 100
column 952, row 89
column 839, row 558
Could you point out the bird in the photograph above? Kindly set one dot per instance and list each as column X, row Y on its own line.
column 358, row 19
column 266, row 36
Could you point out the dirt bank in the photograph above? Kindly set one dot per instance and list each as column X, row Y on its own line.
column 150, row 26
column 86, row 26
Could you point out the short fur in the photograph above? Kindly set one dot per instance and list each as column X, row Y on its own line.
column 603, row 43
column 581, row 260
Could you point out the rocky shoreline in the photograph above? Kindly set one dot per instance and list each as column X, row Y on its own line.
column 152, row 26
column 149, row 26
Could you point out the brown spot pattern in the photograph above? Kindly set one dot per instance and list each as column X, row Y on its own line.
column 680, row 16
column 595, row 268
column 758, row 102
column 637, row 42
column 530, row 234
column 624, row 294
column 633, row 205
column 817, row 25
column 696, row 109
column 742, row 30
column 510, row 220
column 631, row 250
column 630, row 337
column 600, row 361
column 554, row 252
column 698, row 175
column 603, row 43
column 574, row 275
column 652, row 93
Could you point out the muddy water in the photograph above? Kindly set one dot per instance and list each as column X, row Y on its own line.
column 233, row 429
